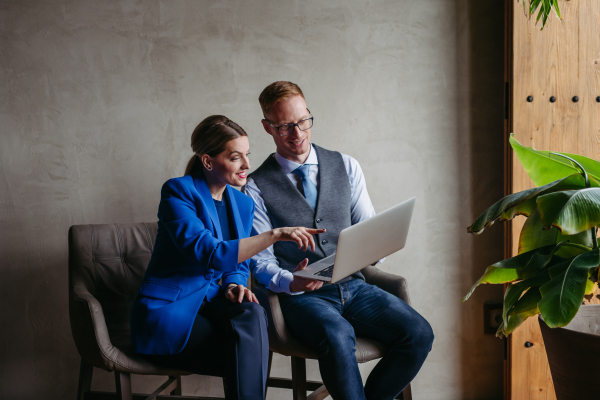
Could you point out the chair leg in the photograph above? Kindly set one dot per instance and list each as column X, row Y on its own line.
column 298, row 378
column 178, row 389
column 406, row 394
column 123, row 384
column 85, row 379
column 269, row 371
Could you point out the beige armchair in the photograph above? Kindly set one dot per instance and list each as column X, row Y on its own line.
column 281, row 340
column 106, row 267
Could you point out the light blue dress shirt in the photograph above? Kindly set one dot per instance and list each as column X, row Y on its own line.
column 267, row 270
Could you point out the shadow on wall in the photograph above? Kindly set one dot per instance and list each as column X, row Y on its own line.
column 480, row 61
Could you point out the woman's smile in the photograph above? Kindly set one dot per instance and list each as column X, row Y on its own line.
column 241, row 175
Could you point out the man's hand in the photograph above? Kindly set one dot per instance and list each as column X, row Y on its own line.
column 299, row 284
column 237, row 293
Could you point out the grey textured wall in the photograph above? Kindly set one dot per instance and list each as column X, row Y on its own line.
column 100, row 98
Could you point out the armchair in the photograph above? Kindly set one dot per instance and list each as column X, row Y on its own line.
column 106, row 267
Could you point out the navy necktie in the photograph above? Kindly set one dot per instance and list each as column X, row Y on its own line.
column 310, row 190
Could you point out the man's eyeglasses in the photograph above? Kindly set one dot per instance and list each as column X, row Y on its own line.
column 288, row 129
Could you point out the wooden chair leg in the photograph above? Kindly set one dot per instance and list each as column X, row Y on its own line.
column 298, row 378
column 85, row 379
column 269, row 371
column 123, row 384
column 406, row 394
column 178, row 389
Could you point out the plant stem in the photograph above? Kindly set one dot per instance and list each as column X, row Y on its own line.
column 579, row 246
column 593, row 231
column 583, row 171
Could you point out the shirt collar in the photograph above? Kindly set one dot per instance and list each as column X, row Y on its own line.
column 288, row 166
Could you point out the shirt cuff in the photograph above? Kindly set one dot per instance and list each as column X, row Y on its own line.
column 284, row 283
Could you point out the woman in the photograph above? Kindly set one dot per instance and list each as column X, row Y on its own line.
column 181, row 316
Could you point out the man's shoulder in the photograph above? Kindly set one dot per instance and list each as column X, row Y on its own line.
column 350, row 163
column 322, row 150
column 268, row 165
column 347, row 159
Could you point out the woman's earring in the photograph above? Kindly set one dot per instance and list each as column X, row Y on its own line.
column 209, row 168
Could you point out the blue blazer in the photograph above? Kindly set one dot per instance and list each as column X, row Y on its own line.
column 188, row 259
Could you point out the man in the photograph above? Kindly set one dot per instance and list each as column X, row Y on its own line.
column 305, row 185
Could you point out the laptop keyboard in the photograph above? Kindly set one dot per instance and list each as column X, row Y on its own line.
column 327, row 272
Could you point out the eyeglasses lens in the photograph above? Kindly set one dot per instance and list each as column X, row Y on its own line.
column 302, row 125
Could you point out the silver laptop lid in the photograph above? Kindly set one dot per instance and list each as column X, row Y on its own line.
column 370, row 240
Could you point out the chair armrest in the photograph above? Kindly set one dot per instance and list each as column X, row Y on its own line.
column 280, row 338
column 391, row 283
column 89, row 328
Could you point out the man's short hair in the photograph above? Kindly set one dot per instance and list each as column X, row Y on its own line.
column 276, row 92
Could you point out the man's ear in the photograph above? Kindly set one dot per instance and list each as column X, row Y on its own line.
column 266, row 126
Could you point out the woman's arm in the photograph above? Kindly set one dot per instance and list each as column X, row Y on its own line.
column 253, row 245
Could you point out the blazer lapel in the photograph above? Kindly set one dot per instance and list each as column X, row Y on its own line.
column 208, row 203
column 237, row 221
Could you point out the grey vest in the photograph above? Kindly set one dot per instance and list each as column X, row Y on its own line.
column 286, row 206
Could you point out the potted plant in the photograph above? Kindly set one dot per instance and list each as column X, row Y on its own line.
column 557, row 263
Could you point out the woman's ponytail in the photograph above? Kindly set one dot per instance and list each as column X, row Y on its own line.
column 193, row 165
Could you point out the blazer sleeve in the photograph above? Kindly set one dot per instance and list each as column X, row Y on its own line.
column 177, row 211
column 241, row 275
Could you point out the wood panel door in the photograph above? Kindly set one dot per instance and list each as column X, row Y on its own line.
column 554, row 83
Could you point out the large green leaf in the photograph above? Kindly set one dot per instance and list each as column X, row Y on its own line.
column 514, row 291
column 543, row 167
column 590, row 286
column 527, row 302
column 562, row 296
column 571, row 211
column 521, row 266
column 518, row 308
column 514, row 321
column 522, row 203
column 511, row 296
column 533, row 235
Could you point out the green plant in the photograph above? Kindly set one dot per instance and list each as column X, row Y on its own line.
column 545, row 8
column 558, row 256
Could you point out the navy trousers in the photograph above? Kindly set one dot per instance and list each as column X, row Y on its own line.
column 328, row 321
column 228, row 340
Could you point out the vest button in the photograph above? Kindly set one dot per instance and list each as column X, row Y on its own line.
column 318, row 220
column 323, row 241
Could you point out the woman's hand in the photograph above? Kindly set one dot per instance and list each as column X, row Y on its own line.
column 236, row 294
column 255, row 244
column 301, row 235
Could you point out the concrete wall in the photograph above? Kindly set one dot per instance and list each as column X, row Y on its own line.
column 100, row 98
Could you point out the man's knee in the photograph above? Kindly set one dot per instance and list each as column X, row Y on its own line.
column 422, row 335
column 338, row 338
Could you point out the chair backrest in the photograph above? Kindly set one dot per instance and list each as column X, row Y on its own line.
column 109, row 262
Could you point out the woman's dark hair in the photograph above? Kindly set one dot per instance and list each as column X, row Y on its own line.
column 211, row 137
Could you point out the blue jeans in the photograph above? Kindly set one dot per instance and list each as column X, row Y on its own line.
column 328, row 321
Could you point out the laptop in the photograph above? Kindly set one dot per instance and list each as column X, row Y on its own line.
column 364, row 244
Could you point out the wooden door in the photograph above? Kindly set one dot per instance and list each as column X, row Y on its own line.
column 562, row 61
